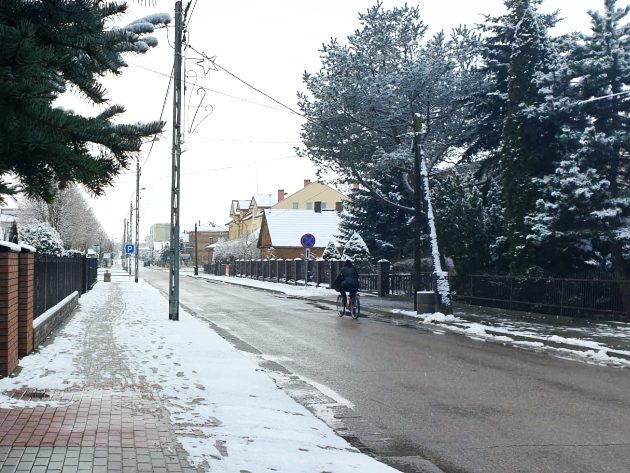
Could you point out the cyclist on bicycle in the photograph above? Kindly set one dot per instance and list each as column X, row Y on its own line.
column 347, row 280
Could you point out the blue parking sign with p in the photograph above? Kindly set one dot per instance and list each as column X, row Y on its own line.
column 129, row 249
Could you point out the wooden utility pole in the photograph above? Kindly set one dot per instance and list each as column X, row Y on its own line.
column 173, row 293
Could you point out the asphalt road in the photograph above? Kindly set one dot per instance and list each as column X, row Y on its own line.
column 416, row 395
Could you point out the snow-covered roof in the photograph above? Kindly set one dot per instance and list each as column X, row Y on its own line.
column 210, row 227
column 243, row 204
column 286, row 227
column 265, row 200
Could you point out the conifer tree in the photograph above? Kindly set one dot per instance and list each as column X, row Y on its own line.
column 47, row 48
column 576, row 221
column 528, row 142
column 331, row 252
column 601, row 62
column 458, row 206
column 387, row 231
column 494, row 227
column 355, row 249
column 585, row 93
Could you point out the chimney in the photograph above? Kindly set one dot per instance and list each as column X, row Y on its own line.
column 281, row 195
column 306, row 182
column 318, row 206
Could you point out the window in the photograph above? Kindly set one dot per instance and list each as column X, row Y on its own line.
column 309, row 206
column 323, row 205
column 295, row 205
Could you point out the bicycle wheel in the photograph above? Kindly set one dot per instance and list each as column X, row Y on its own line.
column 356, row 307
column 341, row 309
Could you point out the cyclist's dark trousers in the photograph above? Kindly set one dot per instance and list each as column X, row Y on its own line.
column 344, row 298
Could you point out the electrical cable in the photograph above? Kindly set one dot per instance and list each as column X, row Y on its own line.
column 168, row 89
column 210, row 90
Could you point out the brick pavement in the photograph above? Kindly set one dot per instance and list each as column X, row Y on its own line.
column 114, row 423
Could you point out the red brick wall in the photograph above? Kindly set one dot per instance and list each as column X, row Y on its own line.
column 26, row 302
column 8, row 312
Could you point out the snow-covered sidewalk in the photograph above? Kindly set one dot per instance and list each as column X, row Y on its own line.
column 224, row 410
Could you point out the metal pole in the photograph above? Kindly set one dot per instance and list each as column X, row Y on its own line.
column 196, row 253
column 130, row 234
column 137, row 216
column 124, row 242
column 173, row 294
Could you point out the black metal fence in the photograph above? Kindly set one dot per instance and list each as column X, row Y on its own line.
column 573, row 297
column 56, row 277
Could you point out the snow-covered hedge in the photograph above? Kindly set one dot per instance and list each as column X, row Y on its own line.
column 43, row 237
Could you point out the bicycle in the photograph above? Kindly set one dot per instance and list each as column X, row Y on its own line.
column 355, row 306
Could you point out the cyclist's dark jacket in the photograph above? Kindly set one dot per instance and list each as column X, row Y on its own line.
column 347, row 279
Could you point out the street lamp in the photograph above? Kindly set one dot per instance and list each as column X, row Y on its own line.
column 196, row 252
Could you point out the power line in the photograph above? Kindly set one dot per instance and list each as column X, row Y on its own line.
column 210, row 90
column 253, row 163
column 168, row 89
column 214, row 63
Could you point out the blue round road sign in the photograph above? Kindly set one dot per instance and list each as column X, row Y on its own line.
column 307, row 240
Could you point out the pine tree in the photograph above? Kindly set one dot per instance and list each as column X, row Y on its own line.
column 458, row 206
column 331, row 252
column 528, row 142
column 494, row 227
column 387, row 231
column 576, row 222
column 355, row 249
column 585, row 94
column 495, row 48
column 48, row 47
column 601, row 64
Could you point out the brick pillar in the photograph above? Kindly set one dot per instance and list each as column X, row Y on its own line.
column 26, row 301
column 8, row 311
column 382, row 278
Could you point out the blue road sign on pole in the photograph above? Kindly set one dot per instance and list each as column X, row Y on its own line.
column 307, row 240
column 129, row 249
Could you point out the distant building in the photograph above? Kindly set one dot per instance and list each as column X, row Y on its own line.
column 8, row 215
column 282, row 230
column 160, row 232
column 313, row 196
column 207, row 234
column 246, row 215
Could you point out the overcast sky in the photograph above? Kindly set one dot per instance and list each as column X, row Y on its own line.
column 241, row 143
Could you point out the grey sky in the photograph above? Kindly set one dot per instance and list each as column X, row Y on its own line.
column 245, row 146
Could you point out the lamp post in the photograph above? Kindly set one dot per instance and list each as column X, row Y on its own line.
column 196, row 253
column 137, row 217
